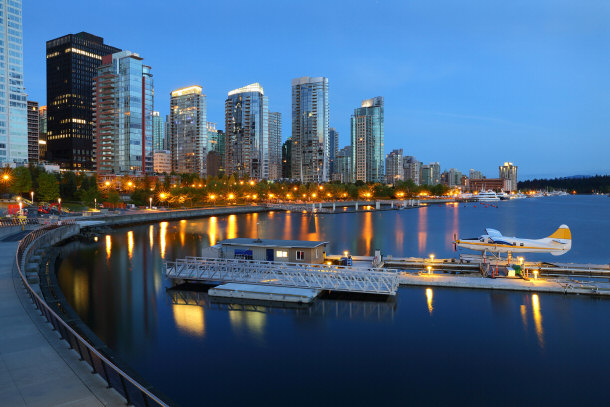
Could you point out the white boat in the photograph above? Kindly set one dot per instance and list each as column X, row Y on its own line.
column 487, row 196
column 503, row 196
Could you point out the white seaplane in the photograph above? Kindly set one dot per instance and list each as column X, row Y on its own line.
column 492, row 241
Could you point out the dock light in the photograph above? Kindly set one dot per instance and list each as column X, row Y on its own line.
column 535, row 274
column 520, row 261
column 429, row 270
column 432, row 258
column 345, row 253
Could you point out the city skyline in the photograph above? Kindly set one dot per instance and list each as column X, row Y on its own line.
column 487, row 95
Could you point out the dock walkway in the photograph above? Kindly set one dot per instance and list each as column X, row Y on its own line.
column 311, row 276
column 36, row 367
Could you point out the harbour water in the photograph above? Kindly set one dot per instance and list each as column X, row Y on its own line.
column 426, row 347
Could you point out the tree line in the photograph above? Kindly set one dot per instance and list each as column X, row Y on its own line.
column 580, row 185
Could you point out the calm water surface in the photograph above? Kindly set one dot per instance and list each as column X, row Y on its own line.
column 428, row 347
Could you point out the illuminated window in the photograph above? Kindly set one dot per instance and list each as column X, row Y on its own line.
column 281, row 253
column 300, row 255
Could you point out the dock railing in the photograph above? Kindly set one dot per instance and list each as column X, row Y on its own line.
column 298, row 275
column 133, row 392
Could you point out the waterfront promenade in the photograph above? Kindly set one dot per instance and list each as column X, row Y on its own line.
column 36, row 367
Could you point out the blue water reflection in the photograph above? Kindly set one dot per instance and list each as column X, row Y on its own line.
column 429, row 346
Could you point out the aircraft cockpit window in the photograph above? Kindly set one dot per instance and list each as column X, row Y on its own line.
column 521, row 244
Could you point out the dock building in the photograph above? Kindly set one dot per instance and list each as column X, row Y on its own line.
column 289, row 251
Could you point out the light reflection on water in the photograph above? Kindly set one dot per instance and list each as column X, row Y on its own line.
column 135, row 315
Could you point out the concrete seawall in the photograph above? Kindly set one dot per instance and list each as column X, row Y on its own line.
column 160, row 216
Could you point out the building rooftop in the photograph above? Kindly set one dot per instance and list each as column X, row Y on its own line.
column 295, row 244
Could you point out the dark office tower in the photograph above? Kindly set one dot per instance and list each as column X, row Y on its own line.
column 71, row 65
column 33, row 131
column 287, row 159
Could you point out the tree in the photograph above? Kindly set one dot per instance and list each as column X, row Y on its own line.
column 22, row 180
column 114, row 198
column 48, row 187
column 68, row 186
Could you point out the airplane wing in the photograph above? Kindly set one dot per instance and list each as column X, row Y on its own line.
column 493, row 232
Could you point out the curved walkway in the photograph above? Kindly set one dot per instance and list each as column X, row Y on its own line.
column 37, row 368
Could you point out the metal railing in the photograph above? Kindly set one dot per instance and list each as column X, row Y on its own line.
column 133, row 392
column 299, row 275
column 7, row 222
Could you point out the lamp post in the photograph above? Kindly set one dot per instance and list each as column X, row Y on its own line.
column 95, row 203
column 32, row 195
column 59, row 206
column 150, row 200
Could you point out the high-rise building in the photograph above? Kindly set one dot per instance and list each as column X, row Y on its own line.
column 166, row 140
column 333, row 148
column 411, row 169
column 13, row 106
column 33, row 131
column 425, row 174
column 287, row 159
column 344, row 169
column 367, row 140
column 310, row 118
column 247, row 132
column 394, row 166
column 122, row 119
column 454, row 178
column 158, row 132
column 508, row 171
column 72, row 61
column 275, row 145
column 188, row 130
column 42, row 133
column 212, row 137
column 475, row 174
column 435, row 174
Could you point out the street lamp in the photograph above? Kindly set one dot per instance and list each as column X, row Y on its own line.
column 32, row 195
column 95, row 203
column 59, row 206
column 150, row 200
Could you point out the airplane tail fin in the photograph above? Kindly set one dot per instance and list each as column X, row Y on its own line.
column 562, row 236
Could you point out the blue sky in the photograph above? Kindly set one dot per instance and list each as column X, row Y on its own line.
column 470, row 84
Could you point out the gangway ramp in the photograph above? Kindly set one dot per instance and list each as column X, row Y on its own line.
column 313, row 276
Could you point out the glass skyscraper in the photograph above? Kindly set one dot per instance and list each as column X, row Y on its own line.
column 333, row 148
column 367, row 141
column 13, row 104
column 247, row 132
column 310, row 118
column 72, row 62
column 275, row 145
column 188, row 131
column 123, row 107
column 158, row 132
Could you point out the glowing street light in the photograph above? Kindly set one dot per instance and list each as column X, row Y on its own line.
column 150, row 203
column 432, row 258
column 32, row 195
column 429, row 269
column 6, row 177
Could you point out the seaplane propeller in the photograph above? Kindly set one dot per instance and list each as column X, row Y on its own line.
column 455, row 242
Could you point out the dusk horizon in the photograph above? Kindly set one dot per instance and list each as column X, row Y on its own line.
column 469, row 86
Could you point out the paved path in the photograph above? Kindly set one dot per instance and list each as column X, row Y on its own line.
column 36, row 367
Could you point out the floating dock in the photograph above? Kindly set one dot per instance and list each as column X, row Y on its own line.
column 264, row 293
